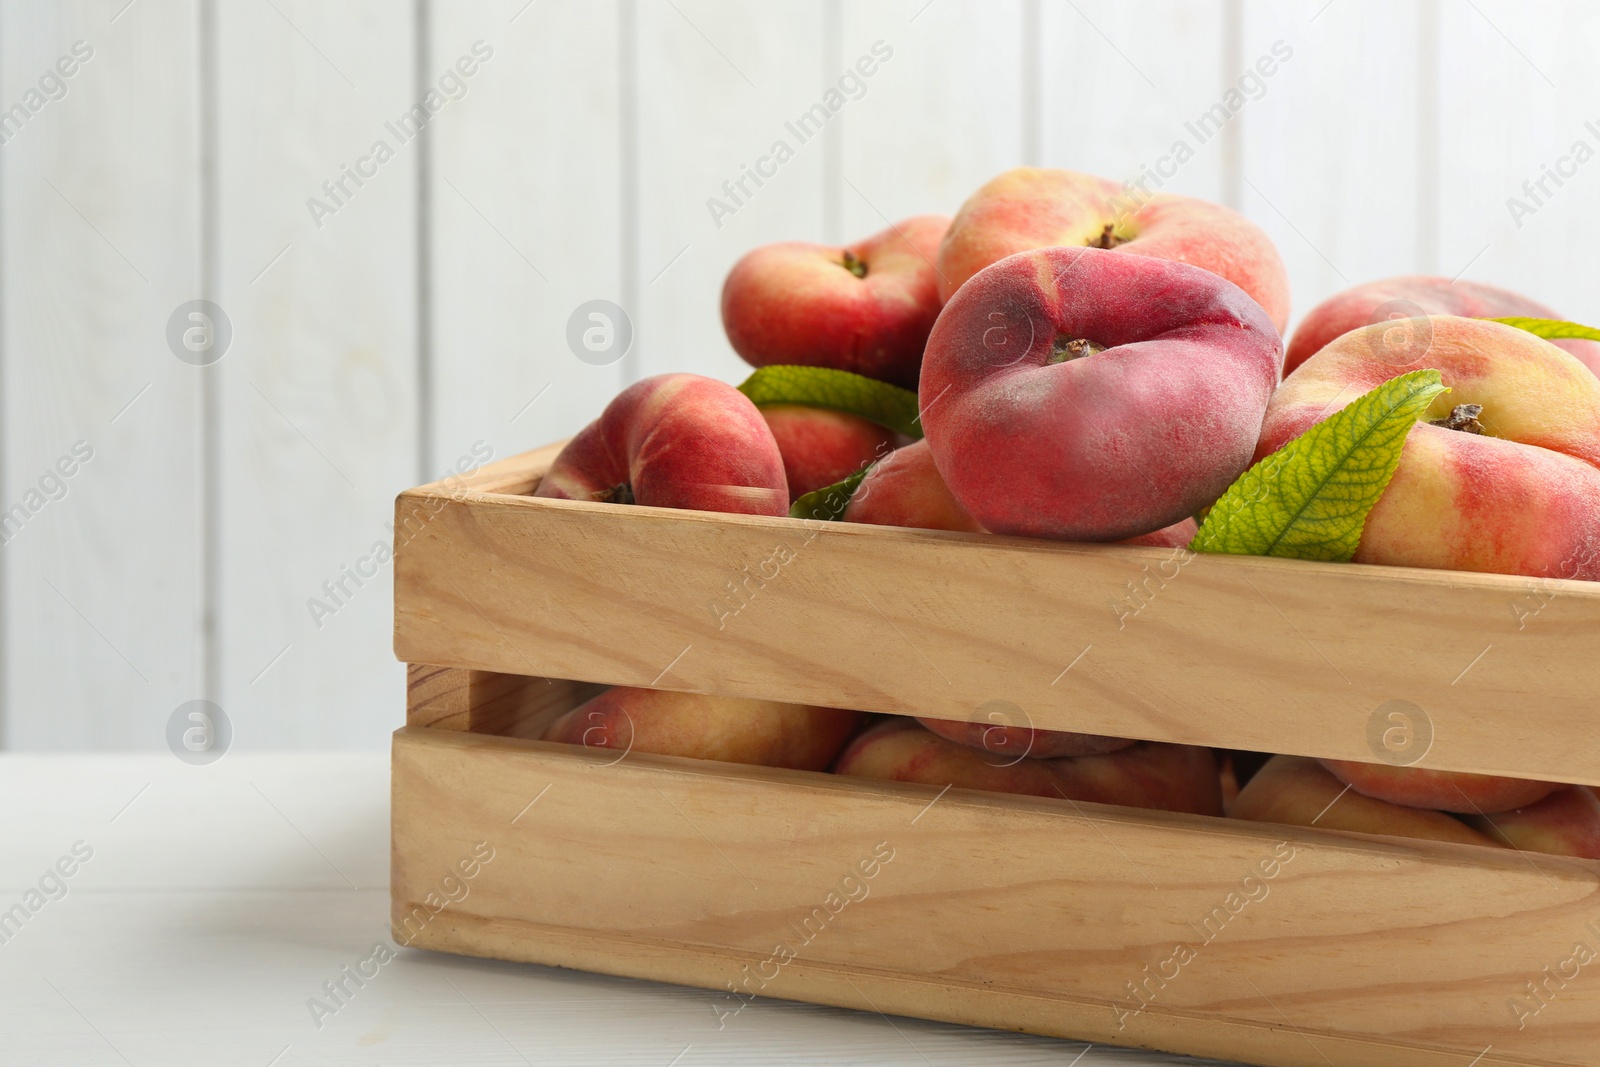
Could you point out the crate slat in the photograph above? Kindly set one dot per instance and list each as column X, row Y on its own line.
column 1008, row 912
column 1240, row 652
column 1274, row 945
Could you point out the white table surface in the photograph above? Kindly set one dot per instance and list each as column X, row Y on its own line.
column 220, row 898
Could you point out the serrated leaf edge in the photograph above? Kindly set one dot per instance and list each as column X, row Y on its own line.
column 1432, row 388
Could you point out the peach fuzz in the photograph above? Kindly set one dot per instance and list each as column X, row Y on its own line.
column 904, row 489
column 1178, row 535
column 1522, row 497
column 821, row 446
column 1421, row 787
column 1077, row 394
column 1147, row 775
column 1416, row 295
column 1030, row 208
column 1005, row 741
column 761, row 732
column 675, row 441
column 865, row 307
column 1295, row 791
column 1565, row 823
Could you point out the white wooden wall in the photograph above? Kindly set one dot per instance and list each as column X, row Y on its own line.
column 427, row 316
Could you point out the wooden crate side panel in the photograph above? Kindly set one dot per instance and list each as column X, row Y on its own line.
column 509, row 705
column 515, row 475
column 1306, row 948
column 484, row 702
column 891, row 993
column 1262, row 654
column 437, row 697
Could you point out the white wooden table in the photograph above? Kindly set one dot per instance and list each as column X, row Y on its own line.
column 219, row 899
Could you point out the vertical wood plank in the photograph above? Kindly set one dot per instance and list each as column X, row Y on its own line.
column 717, row 82
column 1119, row 82
column 318, row 400
column 1519, row 93
column 99, row 193
column 1332, row 150
column 939, row 118
column 526, row 223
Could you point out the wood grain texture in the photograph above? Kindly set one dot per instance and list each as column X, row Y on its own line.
column 525, row 221
column 438, row 697
column 212, row 876
column 716, row 84
column 518, row 475
column 1373, row 151
column 1262, row 654
column 100, row 234
column 1114, row 96
column 318, row 420
column 948, row 99
column 1316, row 193
column 1015, row 913
column 1517, row 94
column 509, row 705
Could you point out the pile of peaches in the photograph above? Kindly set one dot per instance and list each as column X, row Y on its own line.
column 1086, row 362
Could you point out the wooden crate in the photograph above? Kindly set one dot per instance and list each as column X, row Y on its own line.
column 1273, row 945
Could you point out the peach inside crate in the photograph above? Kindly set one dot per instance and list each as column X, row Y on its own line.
column 1212, row 937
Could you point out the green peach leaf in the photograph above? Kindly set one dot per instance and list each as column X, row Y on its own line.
column 1310, row 499
column 823, row 387
column 1552, row 329
column 828, row 503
